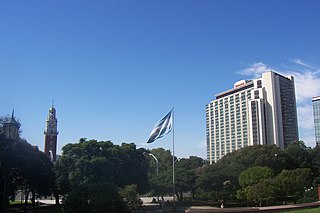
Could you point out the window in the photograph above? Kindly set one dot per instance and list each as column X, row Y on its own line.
column 259, row 84
column 256, row 94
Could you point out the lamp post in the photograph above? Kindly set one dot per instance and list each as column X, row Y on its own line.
column 11, row 133
column 157, row 162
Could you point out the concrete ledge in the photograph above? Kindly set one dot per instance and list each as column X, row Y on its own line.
column 252, row 209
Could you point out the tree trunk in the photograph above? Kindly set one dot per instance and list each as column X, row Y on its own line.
column 56, row 195
column 181, row 196
column 26, row 196
column 176, row 195
column 33, row 199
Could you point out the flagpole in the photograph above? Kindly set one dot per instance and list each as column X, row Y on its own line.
column 173, row 162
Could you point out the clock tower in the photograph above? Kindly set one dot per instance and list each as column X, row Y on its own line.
column 50, row 135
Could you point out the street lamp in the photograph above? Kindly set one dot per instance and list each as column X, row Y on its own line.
column 10, row 129
column 157, row 162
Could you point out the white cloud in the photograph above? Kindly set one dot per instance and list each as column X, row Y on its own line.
column 255, row 70
column 298, row 61
column 305, row 115
column 307, row 85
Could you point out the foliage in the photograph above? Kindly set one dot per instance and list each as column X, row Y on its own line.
column 164, row 160
column 89, row 161
column 299, row 155
column 94, row 197
column 186, row 173
column 315, row 164
column 27, row 167
column 103, row 177
column 160, row 184
column 89, row 166
column 130, row 194
column 253, row 175
column 292, row 183
column 211, row 177
column 269, row 156
column 262, row 191
column 184, row 181
column 310, row 195
column 34, row 170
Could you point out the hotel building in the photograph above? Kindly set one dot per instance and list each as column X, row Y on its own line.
column 316, row 116
column 259, row 111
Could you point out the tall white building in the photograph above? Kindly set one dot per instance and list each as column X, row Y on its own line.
column 259, row 111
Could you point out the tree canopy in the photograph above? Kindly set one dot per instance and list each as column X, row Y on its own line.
column 86, row 167
column 98, row 176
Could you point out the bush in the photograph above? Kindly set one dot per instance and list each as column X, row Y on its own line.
column 95, row 197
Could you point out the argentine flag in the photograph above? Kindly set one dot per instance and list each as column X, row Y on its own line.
column 162, row 128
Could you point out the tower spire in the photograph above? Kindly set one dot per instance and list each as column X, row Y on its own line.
column 51, row 133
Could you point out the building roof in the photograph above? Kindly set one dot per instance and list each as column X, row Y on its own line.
column 235, row 90
column 316, row 98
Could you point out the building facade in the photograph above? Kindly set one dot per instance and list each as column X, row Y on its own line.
column 51, row 135
column 316, row 117
column 259, row 111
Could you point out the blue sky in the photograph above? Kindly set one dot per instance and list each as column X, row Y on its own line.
column 114, row 68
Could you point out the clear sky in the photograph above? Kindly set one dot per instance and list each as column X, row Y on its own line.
column 114, row 68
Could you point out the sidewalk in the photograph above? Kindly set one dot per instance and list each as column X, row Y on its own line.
column 202, row 209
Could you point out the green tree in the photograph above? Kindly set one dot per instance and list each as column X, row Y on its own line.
column 102, row 197
column 253, row 175
column 130, row 194
column 211, row 183
column 161, row 183
column 269, row 156
column 33, row 170
column 184, row 182
column 315, row 165
column 262, row 192
column 250, row 177
column 299, row 155
column 164, row 160
column 186, row 173
column 212, row 177
column 292, row 183
column 26, row 166
column 89, row 163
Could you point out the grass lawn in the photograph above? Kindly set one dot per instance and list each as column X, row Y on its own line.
column 312, row 210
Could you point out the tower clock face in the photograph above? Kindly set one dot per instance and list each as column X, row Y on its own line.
column 52, row 125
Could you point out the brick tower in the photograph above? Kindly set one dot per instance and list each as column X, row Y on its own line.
column 50, row 135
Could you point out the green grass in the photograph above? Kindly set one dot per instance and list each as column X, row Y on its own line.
column 312, row 210
column 17, row 202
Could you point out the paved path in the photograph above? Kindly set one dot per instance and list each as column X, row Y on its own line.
column 202, row 209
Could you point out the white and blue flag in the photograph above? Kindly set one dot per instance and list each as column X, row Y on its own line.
column 162, row 128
